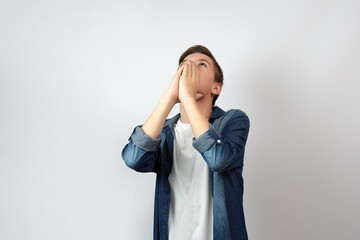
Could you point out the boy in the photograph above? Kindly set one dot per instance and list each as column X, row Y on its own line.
column 199, row 184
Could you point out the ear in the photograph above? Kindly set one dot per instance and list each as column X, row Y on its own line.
column 216, row 88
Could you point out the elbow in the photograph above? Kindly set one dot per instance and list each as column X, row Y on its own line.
column 129, row 161
column 129, row 157
column 139, row 160
column 217, row 166
column 225, row 163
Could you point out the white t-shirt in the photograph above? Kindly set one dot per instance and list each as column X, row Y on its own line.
column 191, row 206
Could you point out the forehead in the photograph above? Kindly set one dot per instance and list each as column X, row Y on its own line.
column 198, row 56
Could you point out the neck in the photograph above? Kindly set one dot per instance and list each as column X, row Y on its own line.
column 205, row 106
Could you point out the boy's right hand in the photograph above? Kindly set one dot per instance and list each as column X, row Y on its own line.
column 173, row 91
column 153, row 125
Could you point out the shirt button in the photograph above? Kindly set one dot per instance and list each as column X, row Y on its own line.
column 165, row 212
column 218, row 141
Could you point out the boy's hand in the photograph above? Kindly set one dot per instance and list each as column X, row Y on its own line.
column 173, row 91
column 188, row 82
column 153, row 125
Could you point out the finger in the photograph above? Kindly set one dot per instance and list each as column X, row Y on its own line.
column 179, row 71
column 191, row 70
column 186, row 68
column 196, row 73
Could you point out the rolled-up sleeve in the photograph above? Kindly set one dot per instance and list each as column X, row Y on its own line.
column 207, row 139
column 224, row 151
column 142, row 151
column 144, row 141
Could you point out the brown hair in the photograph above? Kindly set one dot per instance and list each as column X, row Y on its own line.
column 201, row 49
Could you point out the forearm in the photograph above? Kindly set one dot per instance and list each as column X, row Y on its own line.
column 197, row 119
column 153, row 125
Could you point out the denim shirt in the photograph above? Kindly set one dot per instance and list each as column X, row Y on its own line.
column 224, row 154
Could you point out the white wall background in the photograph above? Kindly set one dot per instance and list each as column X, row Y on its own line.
column 77, row 76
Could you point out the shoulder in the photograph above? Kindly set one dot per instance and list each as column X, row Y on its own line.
column 230, row 121
column 235, row 118
column 220, row 113
column 237, row 113
column 233, row 115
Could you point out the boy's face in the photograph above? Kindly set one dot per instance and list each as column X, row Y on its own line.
column 205, row 66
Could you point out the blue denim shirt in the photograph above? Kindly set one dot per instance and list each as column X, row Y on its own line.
column 224, row 154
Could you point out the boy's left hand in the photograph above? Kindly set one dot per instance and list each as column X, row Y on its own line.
column 188, row 82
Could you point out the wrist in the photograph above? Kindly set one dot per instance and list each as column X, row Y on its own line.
column 188, row 100
column 169, row 99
